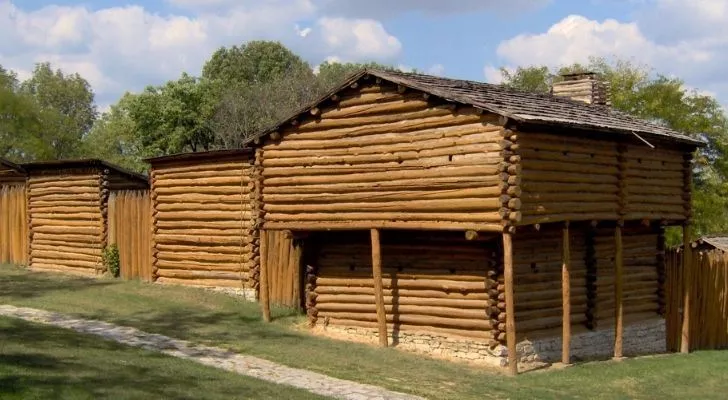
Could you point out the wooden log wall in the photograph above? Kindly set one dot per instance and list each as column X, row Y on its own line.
column 129, row 221
column 385, row 158
column 67, row 230
column 13, row 224
column 538, row 270
column 709, row 300
column 433, row 282
column 567, row 178
column 201, row 215
column 641, row 288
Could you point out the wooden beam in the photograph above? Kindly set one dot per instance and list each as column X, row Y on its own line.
column 379, row 287
column 471, row 235
column 510, row 306
column 566, row 297
column 264, row 295
column 618, row 298
column 687, row 289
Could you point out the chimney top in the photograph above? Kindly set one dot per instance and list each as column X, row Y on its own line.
column 583, row 86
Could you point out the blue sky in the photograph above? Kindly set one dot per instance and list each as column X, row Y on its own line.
column 124, row 46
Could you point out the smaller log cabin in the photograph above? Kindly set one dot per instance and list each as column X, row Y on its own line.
column 204, row 233
column 13, row 220
column 68, row 218
column 711, row 243
column 475, row 221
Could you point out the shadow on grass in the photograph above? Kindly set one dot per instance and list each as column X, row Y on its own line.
column 43, row 362
column 17, row 283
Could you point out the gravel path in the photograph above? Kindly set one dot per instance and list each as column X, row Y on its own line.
column 211, row 356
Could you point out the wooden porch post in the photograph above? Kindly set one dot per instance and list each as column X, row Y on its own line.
column 687, row 288
column 510, row 306
column 618, row 300
column 263, row 288
column 379, row 287
column 566, row 297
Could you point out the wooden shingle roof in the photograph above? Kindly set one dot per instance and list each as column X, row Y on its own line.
column 719, row 242
column 84, row 163
column 521, row 107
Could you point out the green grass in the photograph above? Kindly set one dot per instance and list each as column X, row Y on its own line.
column 213, row 318
column 41, row 362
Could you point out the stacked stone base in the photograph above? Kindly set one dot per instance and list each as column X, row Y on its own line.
column 645, row 337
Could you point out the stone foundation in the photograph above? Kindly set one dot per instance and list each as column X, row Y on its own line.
column 646, row 337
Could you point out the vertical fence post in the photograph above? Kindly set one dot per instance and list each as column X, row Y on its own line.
column 566, row 297
column 379, row 287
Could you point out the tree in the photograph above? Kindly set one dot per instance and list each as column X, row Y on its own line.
column 19, row 119
column 253, row 62
column 635, row 89
column 114, row 137
column 173, row 118
column 65, row 109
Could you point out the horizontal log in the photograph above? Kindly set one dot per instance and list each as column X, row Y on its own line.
column 61, row 255
column 441, row 172
column 420, row 320
column 206, row 257
column 177, row 248
column 237, row 210
column 160, row 171
column 393, row 105
column 187, row 274
column 531, row 197
column 391, row 327
column 567, row 177
column 424, row 184
column 201, row 190
column 56, row 241
column 60, row 191
column 197, row 198
column 75, row 263
column 69, row 238
column 440, row 284
column 72, row 230
column 65, row 177
column 200, row 216
column 636, row 182
column 84, row 197
column 227, row 173
column 190, row 240
column 344, row 272
column 386, row 195
column 64, row 247
column 63, row 269
column 343, row 216
column 565, row 166
column 201, row 282
column 324, row 124
column 401, row 292
column 339, row 135
column 429, row 205
column 342, row 299
column 355, row 225
column 74, row 216
column 35, row 222
column 242, row 223
column 402, row 310
column 224, row 181
column 88, row 182
column 544, row 188
column 588, row 216
column 200, row 266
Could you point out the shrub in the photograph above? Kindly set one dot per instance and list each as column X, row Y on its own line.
column 110, row 259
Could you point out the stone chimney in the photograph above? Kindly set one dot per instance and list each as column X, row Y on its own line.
column 583, row 86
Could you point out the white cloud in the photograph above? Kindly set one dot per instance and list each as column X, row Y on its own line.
column 387, row 8
column 697, row 54
column 126, row 48
column 492, row 74
column 436, row 69
column 358, row 38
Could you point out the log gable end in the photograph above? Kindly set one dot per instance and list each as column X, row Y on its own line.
column 382, row 156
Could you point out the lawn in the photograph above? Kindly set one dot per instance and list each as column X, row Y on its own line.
column 211, row 318
column 43, row 362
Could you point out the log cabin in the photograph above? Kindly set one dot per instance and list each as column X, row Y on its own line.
column 203, row 230
column 13, row 220
column 68, row 219
column 468, row 220
column 713, row 243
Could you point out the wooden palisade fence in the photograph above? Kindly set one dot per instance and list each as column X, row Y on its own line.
column 129, row 221
column 13, row 225
column 708, row 309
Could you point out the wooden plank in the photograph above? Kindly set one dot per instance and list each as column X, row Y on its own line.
column 378, row 287
column 263, row 296
column 566, row 297
column 510, row 306
column 618, row 300
column 687, row 289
